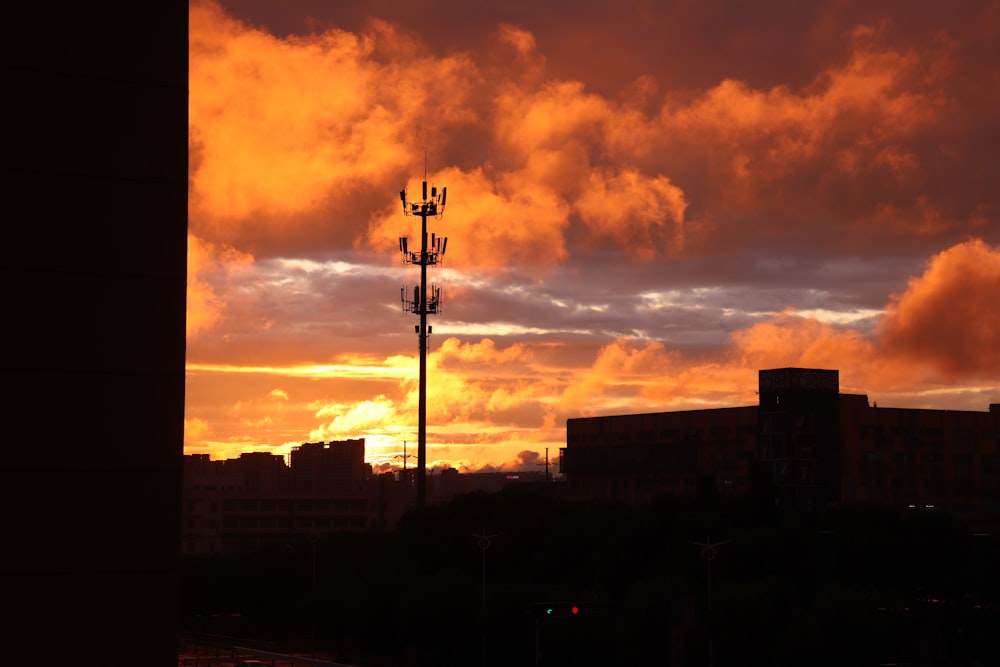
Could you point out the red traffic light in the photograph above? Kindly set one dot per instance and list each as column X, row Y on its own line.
column 557, row 609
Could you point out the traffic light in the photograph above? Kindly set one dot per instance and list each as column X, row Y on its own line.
column 558, row 609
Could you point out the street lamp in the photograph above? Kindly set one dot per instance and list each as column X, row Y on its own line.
column 709, row 552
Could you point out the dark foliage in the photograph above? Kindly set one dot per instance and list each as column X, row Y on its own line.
column 849, row 585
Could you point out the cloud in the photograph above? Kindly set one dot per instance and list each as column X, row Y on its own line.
column 453, row 353
column 528, row 233
column 948, row 316
column 940, row 330
column 641, row 215
column 793, row 340
column 300, row 136
column 209, row 265
column 284, row 128
column 528, row 458
column 812, row 185
column 361, row 417
column 195, row 429
column 622, row 365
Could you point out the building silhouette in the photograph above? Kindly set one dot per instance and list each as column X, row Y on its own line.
column 258, row 501
column 804, row 444
column 95, row 170
column 335, row 467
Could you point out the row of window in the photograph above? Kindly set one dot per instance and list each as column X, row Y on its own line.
column 283, row 506
column 935, row 457
column 927, row 432
column 286, row 523
column 664, row 434
column 965, row 487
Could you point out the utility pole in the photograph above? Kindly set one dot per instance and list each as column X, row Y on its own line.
column 484, row 541
column 424, row 302
column 709, row 550
column 548, row 475
column 404, row 478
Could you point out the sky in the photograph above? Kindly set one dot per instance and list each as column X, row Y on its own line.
column 648, row 202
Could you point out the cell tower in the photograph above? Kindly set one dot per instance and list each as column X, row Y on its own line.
column 423, row 302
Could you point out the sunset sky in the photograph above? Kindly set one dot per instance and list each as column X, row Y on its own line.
column 647, row 203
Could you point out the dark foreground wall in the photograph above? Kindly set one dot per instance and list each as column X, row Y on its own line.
column 93, row 297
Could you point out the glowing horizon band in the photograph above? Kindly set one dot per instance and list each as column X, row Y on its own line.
column 317, row 370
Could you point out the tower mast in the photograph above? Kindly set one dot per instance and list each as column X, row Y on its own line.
column 423, row 302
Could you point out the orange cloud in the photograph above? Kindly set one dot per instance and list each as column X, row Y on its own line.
column 943, row 328
column 297, row 137
column 490, row 223
column 205, row 260
column 362, row 417
column 283, row 127
column 792, row 340
column 623, row 367
column 783, row 146
column 949, row 316
column 641, row 215
column 455, row 354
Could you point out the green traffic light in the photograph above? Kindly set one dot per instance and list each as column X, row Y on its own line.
column 559, row 610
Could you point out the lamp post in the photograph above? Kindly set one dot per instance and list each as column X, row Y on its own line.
column 484, row 541
column 709, row 551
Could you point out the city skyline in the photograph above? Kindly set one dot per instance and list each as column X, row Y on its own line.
column 646, row 206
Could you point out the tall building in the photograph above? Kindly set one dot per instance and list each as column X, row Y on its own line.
column 799, row 434
column 337, row 467
column 811, row 445
column 94, row 283
column 257, row 500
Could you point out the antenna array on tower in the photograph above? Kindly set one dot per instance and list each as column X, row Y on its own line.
column 423, row 302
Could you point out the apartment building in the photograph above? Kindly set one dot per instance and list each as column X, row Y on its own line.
column 257, row 500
